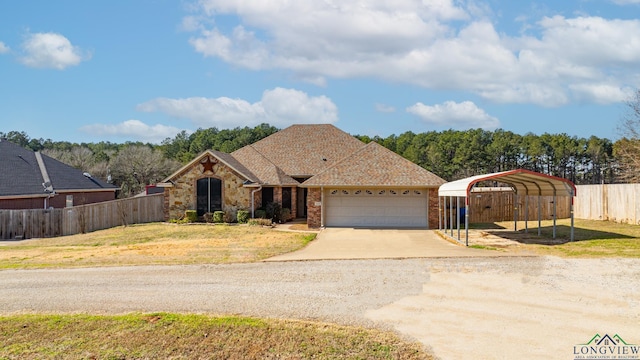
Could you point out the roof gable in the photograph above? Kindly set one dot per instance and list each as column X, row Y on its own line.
column 226, row 159
column 375, row 165
column 305, row 150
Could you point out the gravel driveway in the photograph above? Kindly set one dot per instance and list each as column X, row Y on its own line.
column 538, row 306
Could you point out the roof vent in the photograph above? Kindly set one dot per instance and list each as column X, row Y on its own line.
column 48, row 188
column 87, row 174
column 324, row 159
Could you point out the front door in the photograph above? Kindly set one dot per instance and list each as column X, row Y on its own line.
column 209, row 194
column 301, row 197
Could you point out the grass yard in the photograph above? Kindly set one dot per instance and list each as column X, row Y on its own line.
column 157, row 243
column 176, row 336
column 593, row 238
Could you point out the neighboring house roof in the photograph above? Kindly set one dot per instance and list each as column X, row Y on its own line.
column 22, row 175
column 374, row 165
column 305, row 150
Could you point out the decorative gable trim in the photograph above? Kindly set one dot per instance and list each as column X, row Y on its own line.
column 210, row 158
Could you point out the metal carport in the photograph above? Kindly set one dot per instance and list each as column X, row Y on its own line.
column 523, row 182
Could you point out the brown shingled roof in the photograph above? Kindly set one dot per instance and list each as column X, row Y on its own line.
column 375, row 165
column 266, row 172
column 304, row 150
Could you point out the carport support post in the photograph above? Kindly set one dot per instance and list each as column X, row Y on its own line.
column 526, row 213
column 466, row 219
column 451, row 214
column 458, row 214
column 515, row 212
column 554, row 214
column 571, row 210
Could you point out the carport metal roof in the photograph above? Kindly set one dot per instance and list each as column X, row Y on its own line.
column 523, row 182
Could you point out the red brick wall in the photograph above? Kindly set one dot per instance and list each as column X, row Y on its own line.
column 59, row 201
column 314, row 212
column 433, row 208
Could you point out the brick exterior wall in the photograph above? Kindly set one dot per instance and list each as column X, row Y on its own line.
column 182, row 196
column 58, row 201
column 433, row 209
column 314, row 212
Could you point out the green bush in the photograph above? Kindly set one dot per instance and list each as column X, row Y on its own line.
column 179, row 221
column 242, row 216
column 261, row 214
column 191, row 215
column 218, row 216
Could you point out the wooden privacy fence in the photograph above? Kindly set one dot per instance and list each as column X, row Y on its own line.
column 488, row 207
column 614, row 202
column 39, row 223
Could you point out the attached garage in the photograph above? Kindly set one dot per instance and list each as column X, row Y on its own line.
column 373, row 188
column 376, row 208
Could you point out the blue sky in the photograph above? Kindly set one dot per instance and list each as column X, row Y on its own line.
column 120, row 70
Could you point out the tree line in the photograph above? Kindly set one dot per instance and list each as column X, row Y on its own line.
column 451, row 154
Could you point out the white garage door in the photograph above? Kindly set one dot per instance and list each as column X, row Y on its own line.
column 376, row 208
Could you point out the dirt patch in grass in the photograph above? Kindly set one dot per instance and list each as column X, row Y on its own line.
column 592, row 238
column 176, row 336
column 149, row 244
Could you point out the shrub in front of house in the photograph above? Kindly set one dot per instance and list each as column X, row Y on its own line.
column 218, row 217
column 208, row 217
column 286, row 214
column 191, row 216
column 228, row 217
column 242, row 216
column 260, row 222
column 274, row 212
column 261, row 214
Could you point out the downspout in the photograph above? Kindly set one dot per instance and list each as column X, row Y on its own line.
column 253, row 203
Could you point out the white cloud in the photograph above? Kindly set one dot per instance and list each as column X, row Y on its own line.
column 444, row 44
column 3, row 48
column 601, row 93
column 278, row 107
column 51, row 50
column 626, row 2
column 385, row 108
column 135, row 129
column 451, row 114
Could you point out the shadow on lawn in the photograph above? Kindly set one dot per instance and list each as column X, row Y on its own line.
column 563, row 235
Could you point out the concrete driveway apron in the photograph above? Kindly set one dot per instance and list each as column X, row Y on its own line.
column 349, row 243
